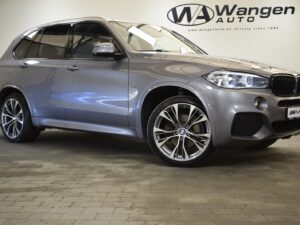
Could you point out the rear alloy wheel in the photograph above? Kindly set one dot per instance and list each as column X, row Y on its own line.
column 16, row 121
column 179, row 131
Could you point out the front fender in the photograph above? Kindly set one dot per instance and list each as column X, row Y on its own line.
column 150, row 88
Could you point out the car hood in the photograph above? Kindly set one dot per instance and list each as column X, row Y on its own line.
column 251, row 66
column 212, row 63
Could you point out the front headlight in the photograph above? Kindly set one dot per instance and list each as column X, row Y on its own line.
column 236, row 80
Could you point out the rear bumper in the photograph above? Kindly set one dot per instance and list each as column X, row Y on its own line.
column 237, row 121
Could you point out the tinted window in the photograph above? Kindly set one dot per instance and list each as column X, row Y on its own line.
column 86, row 36
column 33, row 49
column 53, row 42
column 24, row 46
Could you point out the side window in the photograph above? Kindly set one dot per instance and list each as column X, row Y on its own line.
column 24, row 46
column 53, row 44
column 86, row 36
column 33, row 50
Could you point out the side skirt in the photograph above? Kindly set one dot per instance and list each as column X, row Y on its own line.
column 53, row 123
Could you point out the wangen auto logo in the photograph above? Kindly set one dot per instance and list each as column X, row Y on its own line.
column 198, row 14
column 191, row 14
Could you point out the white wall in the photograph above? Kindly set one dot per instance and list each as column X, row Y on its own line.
column 277, row 47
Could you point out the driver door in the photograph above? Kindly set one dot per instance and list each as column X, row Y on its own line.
column 95, row 88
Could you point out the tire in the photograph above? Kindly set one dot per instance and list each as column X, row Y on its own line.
column 264, row 144
column 185, row 142
column 16, row 123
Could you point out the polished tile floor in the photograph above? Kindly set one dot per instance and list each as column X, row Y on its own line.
column 70, row 178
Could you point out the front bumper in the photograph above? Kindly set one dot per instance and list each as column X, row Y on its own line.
column 235, row 119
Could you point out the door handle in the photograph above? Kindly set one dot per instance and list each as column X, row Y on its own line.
column 73, row 68
column 24, row 65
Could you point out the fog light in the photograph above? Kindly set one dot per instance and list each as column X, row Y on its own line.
column 261, row 103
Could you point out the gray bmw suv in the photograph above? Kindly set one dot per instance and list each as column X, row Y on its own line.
column 145, row 81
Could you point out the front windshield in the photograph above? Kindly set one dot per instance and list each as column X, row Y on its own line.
column 144, row 37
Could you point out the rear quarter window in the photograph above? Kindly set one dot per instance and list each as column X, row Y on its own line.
column 23, row 47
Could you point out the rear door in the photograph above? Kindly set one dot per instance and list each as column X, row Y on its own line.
column 41, row 55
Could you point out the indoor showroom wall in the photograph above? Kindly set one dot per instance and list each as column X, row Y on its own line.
column 265, row 37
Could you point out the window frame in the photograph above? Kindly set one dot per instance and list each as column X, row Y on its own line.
column 70, row 36
column 38, row 30
column 117, row 43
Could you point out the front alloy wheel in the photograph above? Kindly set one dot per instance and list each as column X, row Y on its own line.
column 179, row 131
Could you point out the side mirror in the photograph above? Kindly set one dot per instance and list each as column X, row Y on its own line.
column 104, row 49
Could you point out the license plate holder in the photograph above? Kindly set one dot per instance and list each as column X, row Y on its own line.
column 293, row 113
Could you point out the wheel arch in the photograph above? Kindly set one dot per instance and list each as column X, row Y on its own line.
column 10, row 89
column 172, row 89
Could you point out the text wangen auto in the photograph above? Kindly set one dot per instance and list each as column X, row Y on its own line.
column 197, row 14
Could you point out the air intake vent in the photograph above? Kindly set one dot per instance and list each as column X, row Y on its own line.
column 286, row 126
column 284, row 85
